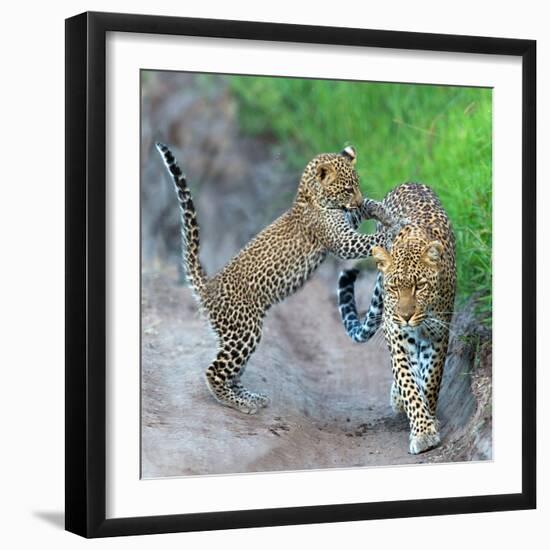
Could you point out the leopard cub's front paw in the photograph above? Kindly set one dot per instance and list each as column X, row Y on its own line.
column 403, row 222
column 397, row 226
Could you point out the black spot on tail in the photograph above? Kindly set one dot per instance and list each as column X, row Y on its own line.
column 347, row 277
column 175, row 169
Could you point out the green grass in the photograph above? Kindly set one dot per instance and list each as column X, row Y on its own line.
column 437, row 135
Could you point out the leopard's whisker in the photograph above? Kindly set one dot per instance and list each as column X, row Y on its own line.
column 442, row 326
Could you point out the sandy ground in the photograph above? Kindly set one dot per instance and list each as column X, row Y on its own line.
column 329, row 396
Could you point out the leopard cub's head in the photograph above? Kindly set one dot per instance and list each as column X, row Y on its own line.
column 411, row 277
column 331, row 181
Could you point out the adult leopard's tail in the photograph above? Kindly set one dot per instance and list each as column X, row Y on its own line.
column 189, row 227
column 357, row 330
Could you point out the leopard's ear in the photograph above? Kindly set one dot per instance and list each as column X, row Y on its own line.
column 382, row 257
column 326, row 173
column 432, row 254
column 350, row 153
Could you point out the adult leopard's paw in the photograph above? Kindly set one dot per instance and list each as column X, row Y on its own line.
column 423, row 442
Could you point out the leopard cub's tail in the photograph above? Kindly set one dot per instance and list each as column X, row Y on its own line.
column 189, row 227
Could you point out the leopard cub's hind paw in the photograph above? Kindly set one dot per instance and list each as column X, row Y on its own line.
column 245, row 401
column 235, row 395
column 260, row 400
column 250, row 402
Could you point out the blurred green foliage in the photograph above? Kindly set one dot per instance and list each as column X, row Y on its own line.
column 437, row 135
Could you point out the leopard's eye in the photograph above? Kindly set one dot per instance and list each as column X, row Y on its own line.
column 349, row 189
column 421, row 285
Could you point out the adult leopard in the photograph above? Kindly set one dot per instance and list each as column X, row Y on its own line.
column 274, row 264
column 414, row 299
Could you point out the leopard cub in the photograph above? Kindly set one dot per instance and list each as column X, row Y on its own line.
column 277, row 262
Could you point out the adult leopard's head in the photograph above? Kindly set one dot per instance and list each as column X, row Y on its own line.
column 331, row 181
column 411, row 274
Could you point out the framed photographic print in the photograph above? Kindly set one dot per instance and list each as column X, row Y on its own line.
column 289, row 258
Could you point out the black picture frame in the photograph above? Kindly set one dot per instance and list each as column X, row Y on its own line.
column 86, row 274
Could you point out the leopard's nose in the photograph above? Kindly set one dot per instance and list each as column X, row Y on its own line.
column 407, row 305
column 406, row 315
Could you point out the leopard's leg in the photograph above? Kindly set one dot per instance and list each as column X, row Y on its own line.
column 223, row 376
column 410, row 343
column 396, row 402
column 424, row 434
column 432, row 356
